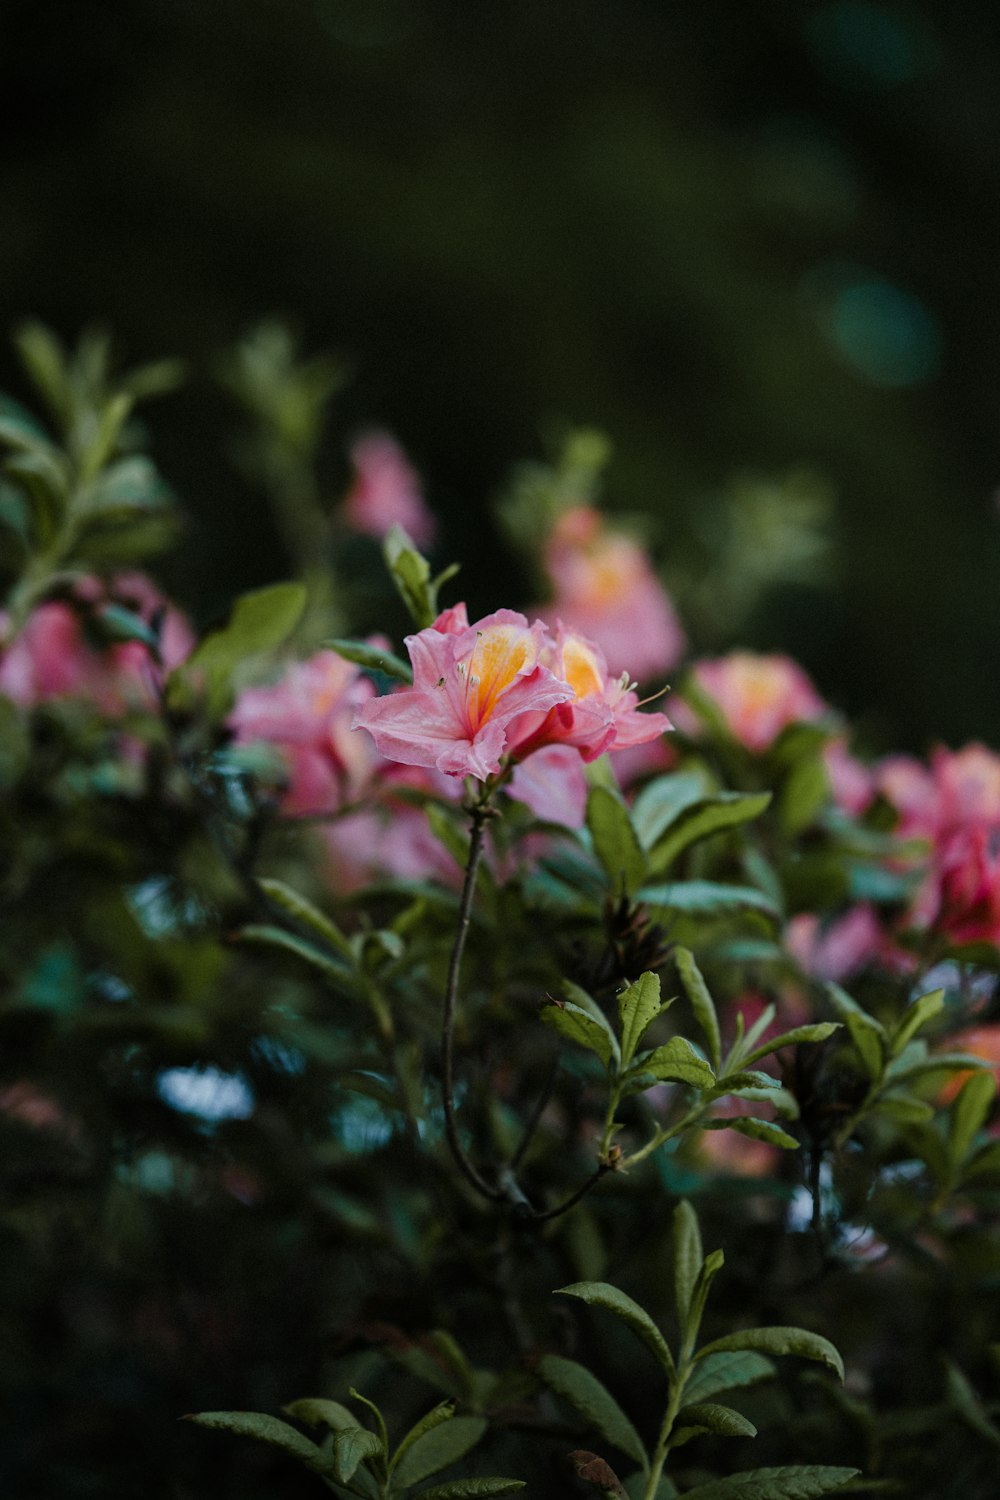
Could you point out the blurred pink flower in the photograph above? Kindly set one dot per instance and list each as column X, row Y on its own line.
column 961, row 895
column 605, row 587
column 758, row 696
column 837, row 949
column 307, row 715
column 385, row 491
column 53, row 658
column 851, row 781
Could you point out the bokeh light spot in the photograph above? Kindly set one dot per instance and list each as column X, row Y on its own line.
column 866, row 46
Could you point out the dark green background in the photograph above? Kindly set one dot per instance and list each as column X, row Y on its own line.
column 594, row 211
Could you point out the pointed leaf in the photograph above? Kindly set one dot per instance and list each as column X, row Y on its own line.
column 916, row 1018
column 723, row 1372
column 968, row 1405
column 709, row 1417
column 443, row 1412
column 317, row 1411
column 816, row 1032
column 688, row 1258
column 701, row 820
column 277, row 937
column 796, row 1482
column 677, row 1060
column 258, row 622
column 302, row 910
column 638, row 1006
column 266, row 1429
column 437, row 1447
column 798, row 1341
column 374, row 658
column 969, row 1113
column 577, row 1026
column 593, row 1401
column 756, row 1130
column 709, row 896
column 603, row 1294
column 701, row 1003
column 660, row 802
column 615, row 841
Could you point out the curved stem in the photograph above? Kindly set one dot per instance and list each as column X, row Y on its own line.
column 538, row 1216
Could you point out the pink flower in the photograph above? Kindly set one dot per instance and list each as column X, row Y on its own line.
column 603, row 713
column 53, row 658
column 308, row 716
column 851, row 781
column 961, row 896
column 605, row 587
column 553, row 784
column 386, row 491
column 469, row 685
column 841, row 947
column 758, row 696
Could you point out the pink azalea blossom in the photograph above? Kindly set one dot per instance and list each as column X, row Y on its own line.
column 307, row 715
column 469, row 685
column 961, row 895
column 385, row 491
column 605, row 588
column 851, row 781
column 841, row 947
column 553, row 784
column 758, row 696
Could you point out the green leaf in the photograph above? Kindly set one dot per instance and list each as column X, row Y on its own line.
column 374, row 658
column 592, row 1400
column 660, row 802
column 984, row 1163
column 796, row 1482
column 701, row 1003
column 708, row 896
column 258, row 622
column 709, row 1417
column 317, row 1411
column 969, row 1113
column 351, row 1445
column 301, row 910
column 111, row 419
column 437, row 1447
column 723, row 1372
column 412, row 576
column 816, row 1032
column 905, row 1109
column 45, row 361
column 916, row 1017
column 615, row 841
column 688, row 1258
column 677, row 1061
column 266, row 1429
column 277, row 937
column 700, row 820
column 806, row 790
column 798, row 1341
column 603, row 1294
column 18, row 428
column 757, row 1130
column 638, row 1006
column 867, row 1033
column 443, row 1412
column 471, row 1489
column 968, row 1405
column 577, row 1026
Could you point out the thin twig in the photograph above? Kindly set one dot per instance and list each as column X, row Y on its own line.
column 538, row 1216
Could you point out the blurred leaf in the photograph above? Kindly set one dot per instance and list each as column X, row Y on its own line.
column 278, row 937
column 700, row 820
column 969, row 1113
column 45, row 361
column 299, row 909
column 701, row 1003
column 375, row 658
column 660, row 801
column 709, row 897
column 593, row 1401
column 916, row 1018
column 615, row 842
column 816, row 1031
column 968, row 1406
column 258, row 622
column 757, row 1130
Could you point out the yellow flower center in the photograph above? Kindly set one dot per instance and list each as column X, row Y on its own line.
column 501, row 653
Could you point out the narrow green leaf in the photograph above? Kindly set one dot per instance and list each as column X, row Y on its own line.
column 437, row 1447
column 701, row 1003
column 968, row 1114
column 660, row 802
column 688, row 1258
column 677, row 1061
column 592, row 1400
column 265, row 1429
column 302, row 910
column 723, row 1372
column 603, row 1294
column 412, row 576
column 374, row 658
column 577, row 1026
column 258, row 622
column 748, row 1081
column 916, row 1018
column 968, row 1405
column 317, row 1411
column 795, row 1482
column 101, row 448
column 18, row 428
column 638, row 1006
column 757, row 1130
column 816, row 1032
column 443, row 1412
column 471, row 1489
column 277, row 937
column 45, row 361
column 700, row 820
column 905, row 1109
column 708, row 896
column 984, row 1163
column 615, row 841
column 710, row 1417
column 798, row 1341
